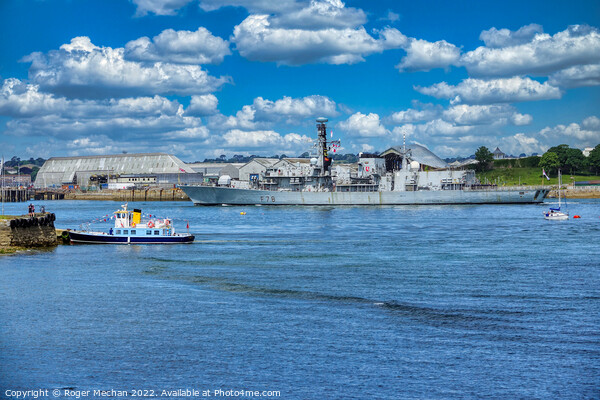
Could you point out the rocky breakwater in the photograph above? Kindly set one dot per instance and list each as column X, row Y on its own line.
column 27, row 232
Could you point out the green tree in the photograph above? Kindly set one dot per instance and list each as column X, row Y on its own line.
column 594, row 159
column 569, row 159
column 575, row 160
column 549, row 162
column 562, row 152
column 485, row 157
column 34, row 172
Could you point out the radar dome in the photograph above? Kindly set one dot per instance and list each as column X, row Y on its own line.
column 414, row 165
column 313, row 161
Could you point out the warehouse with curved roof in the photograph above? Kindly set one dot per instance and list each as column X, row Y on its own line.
column 81, row 170
column 415, row 152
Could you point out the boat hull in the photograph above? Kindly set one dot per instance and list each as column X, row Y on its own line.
column 95, row 238
column 215, row 195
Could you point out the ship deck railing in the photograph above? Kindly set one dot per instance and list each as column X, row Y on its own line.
column 505, row 188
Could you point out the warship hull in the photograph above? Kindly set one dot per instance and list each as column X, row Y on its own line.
column 215, row 195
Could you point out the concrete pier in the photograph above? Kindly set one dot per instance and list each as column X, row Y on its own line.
column 15, row 195
column 26, row 232
column 155, row 194
column 48, row 194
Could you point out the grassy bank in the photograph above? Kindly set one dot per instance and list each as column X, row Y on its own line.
column 528, row 176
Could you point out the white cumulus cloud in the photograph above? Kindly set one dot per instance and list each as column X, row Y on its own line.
column 425, row 112
column 363, row 125
column 18, row 99
column 495, row 114
column 591, row 123
column 498, row 38
column 202, row 105
column 159, row 7
column 179, row 47
column 478, row 91
column 263, row 139
column 521, row 143
column 319, row 14
column 82, row 69
column 21, row 100
column 253, row 6
column 585, row 135
column 264, row 113
column 291, row 108
column 541, row 55
column 578, row 76
column 422, row 55
column 257, row 40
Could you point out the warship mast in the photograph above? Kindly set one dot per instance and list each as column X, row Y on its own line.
column 324, row 159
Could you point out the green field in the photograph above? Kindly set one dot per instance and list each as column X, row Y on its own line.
column 527, row 176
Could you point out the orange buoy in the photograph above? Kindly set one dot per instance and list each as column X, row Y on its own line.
column 576, row 216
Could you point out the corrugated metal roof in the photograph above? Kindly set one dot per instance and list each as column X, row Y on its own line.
column 58, row 170
column 298, row 160
column 420, row 154
column 265, row 162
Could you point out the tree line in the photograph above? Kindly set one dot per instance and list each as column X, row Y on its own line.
column 561, row 157
column 237, row 158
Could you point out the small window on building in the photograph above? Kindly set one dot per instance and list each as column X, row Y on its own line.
column 133, row 231
column 148, row 232
column 118, row 231
column 156, row 232
column 125, row 231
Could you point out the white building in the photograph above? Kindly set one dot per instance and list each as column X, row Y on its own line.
column 499, row 154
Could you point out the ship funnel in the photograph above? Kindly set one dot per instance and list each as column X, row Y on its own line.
column 137, row 216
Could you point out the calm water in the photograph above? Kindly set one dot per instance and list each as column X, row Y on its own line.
column 432, row 302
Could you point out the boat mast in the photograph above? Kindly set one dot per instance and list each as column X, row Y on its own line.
column 559, row 187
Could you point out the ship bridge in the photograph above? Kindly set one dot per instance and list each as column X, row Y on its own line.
column 414, row 152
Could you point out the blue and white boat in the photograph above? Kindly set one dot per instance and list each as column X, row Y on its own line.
column 129, row 228
column 555, row 213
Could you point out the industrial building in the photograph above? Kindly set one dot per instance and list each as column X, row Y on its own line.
column 256, row 168
column 212, row 171
column 98, row 171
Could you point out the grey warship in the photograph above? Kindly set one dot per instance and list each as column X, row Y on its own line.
column 407, row 175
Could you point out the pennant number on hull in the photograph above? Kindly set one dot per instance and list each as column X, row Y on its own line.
column 266, row 199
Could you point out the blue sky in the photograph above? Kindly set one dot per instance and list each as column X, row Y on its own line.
column 201, row 78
